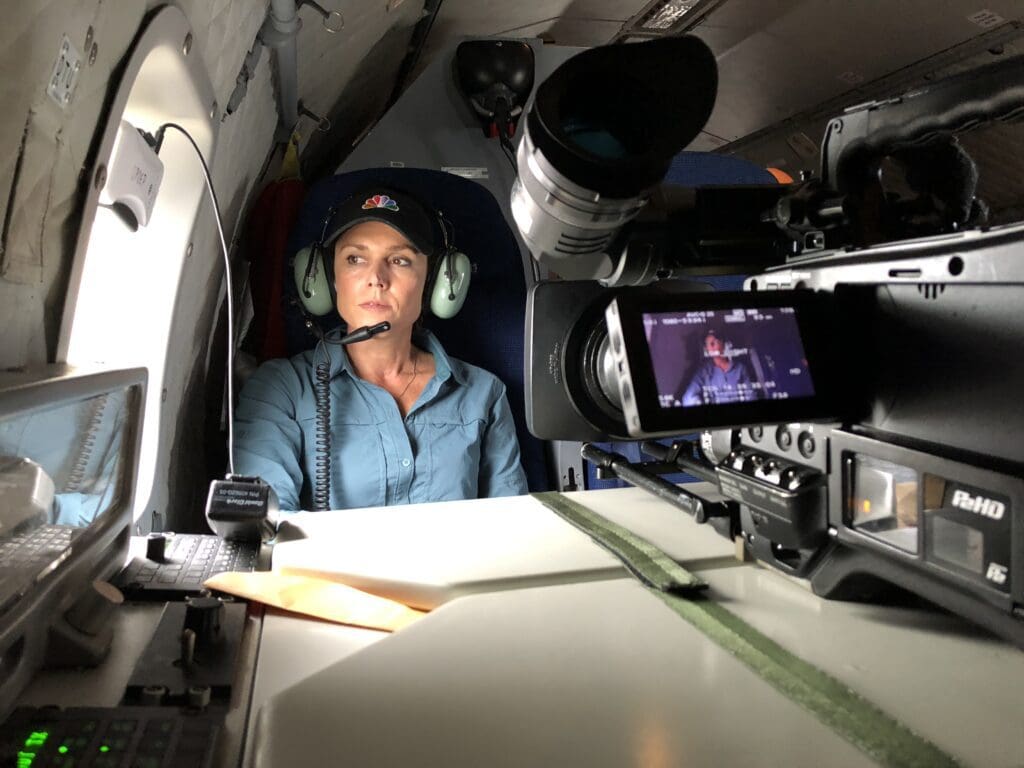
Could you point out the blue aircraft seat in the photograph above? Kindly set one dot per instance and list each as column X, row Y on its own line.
column 488, row 332
column 691, row 169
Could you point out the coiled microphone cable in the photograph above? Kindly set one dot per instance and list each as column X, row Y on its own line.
column 322, row 395
column 322, row 458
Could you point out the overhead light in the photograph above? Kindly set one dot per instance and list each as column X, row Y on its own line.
column 667, row 15
column 665, row 18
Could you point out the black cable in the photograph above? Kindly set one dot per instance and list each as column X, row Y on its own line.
column 77, row 474
column 322, row 406
column 322, row 460
column 92, row 426
column 508, row 150
column 448, row 257
column 322, row 439
column 316, row 252
column 158, row 142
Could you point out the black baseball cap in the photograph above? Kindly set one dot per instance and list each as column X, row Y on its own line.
column 395, row 207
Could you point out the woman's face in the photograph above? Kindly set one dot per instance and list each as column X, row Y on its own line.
column 378, row 275
column 713, row 346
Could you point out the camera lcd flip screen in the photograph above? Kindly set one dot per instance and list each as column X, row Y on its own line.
column 723, row 359
column 737, row 355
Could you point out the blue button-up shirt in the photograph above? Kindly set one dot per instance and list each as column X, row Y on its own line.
column 458, row 440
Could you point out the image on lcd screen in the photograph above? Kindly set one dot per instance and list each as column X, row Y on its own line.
column 720, row 356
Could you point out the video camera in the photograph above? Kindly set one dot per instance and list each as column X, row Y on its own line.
column 859, row 403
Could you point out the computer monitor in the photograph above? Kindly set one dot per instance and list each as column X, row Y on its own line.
column 68, row 460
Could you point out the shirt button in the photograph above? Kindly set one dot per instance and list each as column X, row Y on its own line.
column 406, row 462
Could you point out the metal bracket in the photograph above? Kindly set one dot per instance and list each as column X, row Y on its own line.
column 333, row 21
column 323, row 124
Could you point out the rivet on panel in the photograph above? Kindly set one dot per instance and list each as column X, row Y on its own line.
column 93, row 52
column 213, row 110
column 188, row 251
column 187, row 46
column 100, row 178
column 88, row 37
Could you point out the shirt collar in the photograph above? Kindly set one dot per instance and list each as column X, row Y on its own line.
column 421, row 337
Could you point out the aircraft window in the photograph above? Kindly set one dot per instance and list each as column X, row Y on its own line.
column 130, row 280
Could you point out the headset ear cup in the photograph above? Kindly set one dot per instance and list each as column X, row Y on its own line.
column 450, row 284
column 317, row 291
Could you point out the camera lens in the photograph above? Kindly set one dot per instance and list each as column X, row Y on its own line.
column 610, row 119
column 601, row 134
column 595, row 139
column 806, row 445
column 756, row 434
column 784, row 438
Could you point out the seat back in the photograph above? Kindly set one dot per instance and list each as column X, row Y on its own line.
column 488, row 331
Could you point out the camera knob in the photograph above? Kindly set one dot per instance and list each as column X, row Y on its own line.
column 202, row 616
column 735, row 460
column 156, row 547
column 795, row 478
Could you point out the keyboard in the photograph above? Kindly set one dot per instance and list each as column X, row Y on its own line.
column 39, row 546
column 87, row 737
column 26, row 556
column 189, row 560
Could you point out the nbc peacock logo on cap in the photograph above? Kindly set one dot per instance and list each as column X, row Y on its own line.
column 380, row 201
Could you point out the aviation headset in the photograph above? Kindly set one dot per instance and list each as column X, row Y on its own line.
column 448, row 272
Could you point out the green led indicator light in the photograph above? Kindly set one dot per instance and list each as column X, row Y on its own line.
column 33, row 743
column 36, row 739
column 104, row 748
column 63, row 749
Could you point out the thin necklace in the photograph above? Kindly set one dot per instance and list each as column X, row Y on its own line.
column 415, row 372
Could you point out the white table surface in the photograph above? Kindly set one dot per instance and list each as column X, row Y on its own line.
column 545, row 653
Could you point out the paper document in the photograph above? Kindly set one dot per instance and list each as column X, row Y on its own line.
column 317, row 597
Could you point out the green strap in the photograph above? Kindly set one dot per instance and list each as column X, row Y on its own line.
column 849, row 714
column 648, row 563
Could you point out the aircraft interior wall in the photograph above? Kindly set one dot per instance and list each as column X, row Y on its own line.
column 447, row 135
column 48, row 147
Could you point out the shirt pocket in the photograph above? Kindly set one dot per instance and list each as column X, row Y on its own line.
column 359, row 473
column 453, row 450
column 358, row 470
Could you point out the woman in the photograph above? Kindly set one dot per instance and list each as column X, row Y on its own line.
column 408, row 424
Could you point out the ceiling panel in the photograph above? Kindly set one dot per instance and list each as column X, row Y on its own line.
column 579, row 32
column 777, row 59
column 567, row 22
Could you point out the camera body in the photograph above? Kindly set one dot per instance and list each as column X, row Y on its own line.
column 920, row 481
column 860, row 402
column 907, row 466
